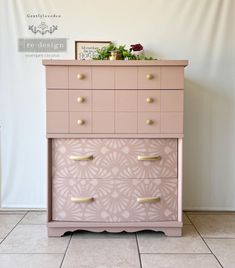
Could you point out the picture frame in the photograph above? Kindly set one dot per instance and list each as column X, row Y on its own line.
column 86, row 50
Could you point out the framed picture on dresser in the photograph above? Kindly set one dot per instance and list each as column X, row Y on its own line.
column 86, row 50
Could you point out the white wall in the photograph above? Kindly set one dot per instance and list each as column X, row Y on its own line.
column 200, row 31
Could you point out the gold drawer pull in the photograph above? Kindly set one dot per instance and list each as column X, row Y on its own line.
column 80, row 76
column 148, row 199
column 149, row 157
column 80, row 99
column 82, row 199
column 81, row 158
column 149, row 76
column 149, row 122
column 80, row 122
column 149, row 100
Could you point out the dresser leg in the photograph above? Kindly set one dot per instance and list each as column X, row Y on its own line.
column 177, row 231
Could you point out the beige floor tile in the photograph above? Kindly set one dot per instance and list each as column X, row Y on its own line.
column 179, row 261
column 102, row 253
column 214, row 225
column 186, row 219
column 30, row 260
column 224, row 250
column 34, row 217
column 8, row 222
column 33, row 239
column 190, row 242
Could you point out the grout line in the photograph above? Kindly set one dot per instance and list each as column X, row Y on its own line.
column 138, row 248
column 206, row 243
column 177, row 253
column 13, row 227
column 66, row 250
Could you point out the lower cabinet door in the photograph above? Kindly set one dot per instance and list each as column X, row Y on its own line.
column 117, row 200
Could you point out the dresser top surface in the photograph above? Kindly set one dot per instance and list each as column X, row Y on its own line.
column 116, row 63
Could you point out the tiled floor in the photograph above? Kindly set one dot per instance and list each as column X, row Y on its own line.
column 208, row 241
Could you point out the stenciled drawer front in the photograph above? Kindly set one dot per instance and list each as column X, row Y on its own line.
column 114, row 158
column 79, row 77
column 115, row 200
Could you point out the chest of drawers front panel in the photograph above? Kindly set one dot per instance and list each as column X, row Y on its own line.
column 112, row 180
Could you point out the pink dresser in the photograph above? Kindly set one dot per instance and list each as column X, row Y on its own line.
column 115, row 131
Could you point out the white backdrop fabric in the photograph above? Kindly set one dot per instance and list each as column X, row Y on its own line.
column 200, row 31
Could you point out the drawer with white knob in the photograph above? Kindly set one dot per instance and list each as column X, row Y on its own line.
column 117, row 200
column 149, row 122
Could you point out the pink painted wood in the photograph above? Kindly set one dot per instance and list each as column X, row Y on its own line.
column 154, row 95
column 172, row 100
column 114, row 158
column 85, row 80
column 114, row 200
column 75, row 104
column 126, row 100
column 126, row 122
column 172, row 77
column 172, row 122
column 57, row 77
column 144, row 82
column 57, row 100
column 103, row 122
column 76, row 126
column 154, row 127
column 103, row 77
column 126, row 77
column 57, row 122
column 103, row 100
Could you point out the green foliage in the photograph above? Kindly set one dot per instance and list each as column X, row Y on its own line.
column 105, row 52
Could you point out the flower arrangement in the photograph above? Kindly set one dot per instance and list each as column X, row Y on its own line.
column 112, row 52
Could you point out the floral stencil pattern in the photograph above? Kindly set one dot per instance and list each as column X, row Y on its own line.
column 114, row 200
column 114, row 158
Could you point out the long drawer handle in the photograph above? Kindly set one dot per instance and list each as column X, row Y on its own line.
column 149, row 157
column 148, row 199
column 82, row 199
column 81, row 158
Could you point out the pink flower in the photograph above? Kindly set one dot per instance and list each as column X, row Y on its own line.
column 136, row 47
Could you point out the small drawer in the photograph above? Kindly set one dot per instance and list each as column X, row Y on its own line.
column 57, row 122
column 103, row 122
column 102, row 77
column 115, row 200
column 149, row 78
column 126, row 100
column 172, row 77
column 149, row 100
column 114, row 158
column 172, row 100
column 80, row 100
column 149, row 122
column 80, row 122
column 57, row 100
column 103, row 100
column 57, row 77
column 126, row 122
column 79, row 77
column 172, row 122
column 126, row 78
